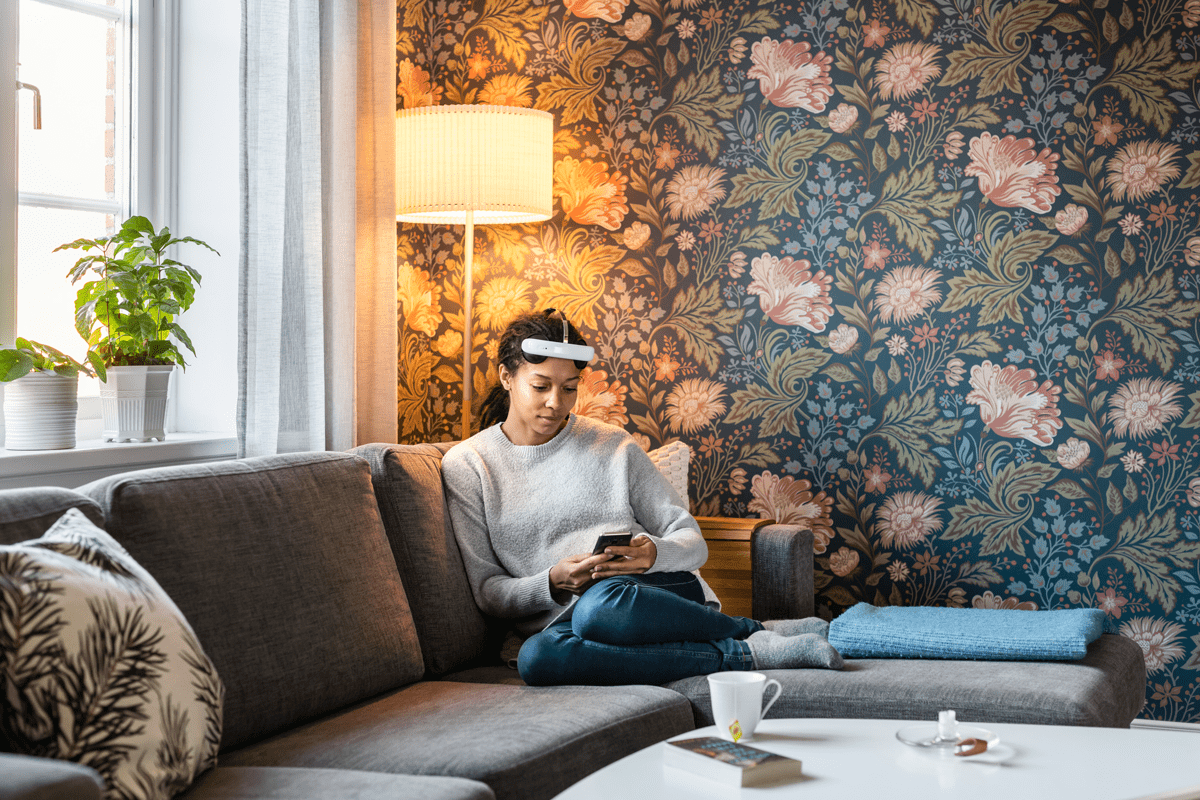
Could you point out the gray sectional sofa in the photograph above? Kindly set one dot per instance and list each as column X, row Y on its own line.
column 328, row 591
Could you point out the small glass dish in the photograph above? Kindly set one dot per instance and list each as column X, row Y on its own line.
column 925, row 734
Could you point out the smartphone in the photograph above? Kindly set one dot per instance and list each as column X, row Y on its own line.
column 611, row 540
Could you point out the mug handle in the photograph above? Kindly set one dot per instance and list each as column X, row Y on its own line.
column 778, row 691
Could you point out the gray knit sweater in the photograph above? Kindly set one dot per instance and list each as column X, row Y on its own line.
column 518, row 510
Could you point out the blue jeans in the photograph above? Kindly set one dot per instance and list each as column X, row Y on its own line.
column 650, row 628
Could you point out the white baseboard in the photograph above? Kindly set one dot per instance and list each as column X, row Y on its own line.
column 1153, row 724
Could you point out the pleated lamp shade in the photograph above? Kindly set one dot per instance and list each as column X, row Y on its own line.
column 494, row 160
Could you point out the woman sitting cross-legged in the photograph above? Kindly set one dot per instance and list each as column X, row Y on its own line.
column 530, row 494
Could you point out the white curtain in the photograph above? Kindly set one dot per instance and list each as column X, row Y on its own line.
column 317, row 315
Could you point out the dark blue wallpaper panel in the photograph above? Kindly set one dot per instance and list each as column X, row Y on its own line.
column 922, row 274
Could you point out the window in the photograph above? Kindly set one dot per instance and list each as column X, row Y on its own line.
column 73, row 152
column 179, row 84
column 82, row 139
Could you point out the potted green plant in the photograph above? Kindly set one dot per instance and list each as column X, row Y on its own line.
column 41, row 399
column 126, row 309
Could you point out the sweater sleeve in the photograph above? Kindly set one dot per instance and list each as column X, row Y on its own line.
column 496, row 591
column 664, row 515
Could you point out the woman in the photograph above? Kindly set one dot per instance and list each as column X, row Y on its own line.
column 529, row 495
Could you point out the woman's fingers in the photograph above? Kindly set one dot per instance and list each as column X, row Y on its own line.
column 574, row 574
column 633, row 560
column 638, row 557
column 582, row 573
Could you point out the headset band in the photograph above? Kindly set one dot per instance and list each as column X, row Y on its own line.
column 538, row 350
column 574, row 352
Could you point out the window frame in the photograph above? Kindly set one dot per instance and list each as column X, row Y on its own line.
column 150, row 117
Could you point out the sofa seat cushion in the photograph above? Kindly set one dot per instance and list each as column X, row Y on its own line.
column 526, row 743
column 1106, row 688
column 282, row 567
column 276, row 783
column 493, row 673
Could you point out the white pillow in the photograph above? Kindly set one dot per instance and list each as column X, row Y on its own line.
column 98, row 666
column 672, row 461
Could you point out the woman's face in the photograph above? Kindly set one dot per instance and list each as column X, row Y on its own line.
column 540, row 396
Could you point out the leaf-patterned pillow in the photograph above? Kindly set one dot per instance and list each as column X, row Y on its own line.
column 98, row 666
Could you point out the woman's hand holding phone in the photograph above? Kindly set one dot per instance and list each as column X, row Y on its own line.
column 575, row 574
column 633, row 559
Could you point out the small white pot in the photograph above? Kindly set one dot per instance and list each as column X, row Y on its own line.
column 40, row 410
column 133, row 402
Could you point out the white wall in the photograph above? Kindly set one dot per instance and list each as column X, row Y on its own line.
column 210, row 35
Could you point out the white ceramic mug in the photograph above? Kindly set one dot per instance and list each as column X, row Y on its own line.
column 737, row 702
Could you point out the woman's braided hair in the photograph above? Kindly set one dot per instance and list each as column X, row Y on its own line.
column 546, row 325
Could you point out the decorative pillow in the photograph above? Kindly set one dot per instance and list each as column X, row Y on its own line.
column 98, row 666
column 672, row 461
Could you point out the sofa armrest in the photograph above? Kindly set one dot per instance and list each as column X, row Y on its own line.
column 781, row 559
column 32, row 778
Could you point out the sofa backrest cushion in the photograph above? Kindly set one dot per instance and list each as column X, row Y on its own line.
column 408, row 486
column 28, row 513
column 282, row 567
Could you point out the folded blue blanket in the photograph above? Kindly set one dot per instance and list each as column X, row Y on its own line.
column 865, row 631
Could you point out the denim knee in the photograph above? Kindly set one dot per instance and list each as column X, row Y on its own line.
column 600, row 608
column 544, row 656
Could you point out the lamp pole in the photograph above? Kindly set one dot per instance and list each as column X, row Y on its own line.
column 468, row 291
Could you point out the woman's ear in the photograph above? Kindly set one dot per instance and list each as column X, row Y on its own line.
column 505, row 378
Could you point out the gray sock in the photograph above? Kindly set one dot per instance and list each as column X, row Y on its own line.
column 774, row 651
column 795, row 627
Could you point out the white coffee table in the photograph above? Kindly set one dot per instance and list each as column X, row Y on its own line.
column 849, row 759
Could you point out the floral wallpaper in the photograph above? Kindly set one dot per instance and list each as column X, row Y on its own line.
column 923, row 273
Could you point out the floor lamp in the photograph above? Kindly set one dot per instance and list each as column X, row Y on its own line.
column 468, row 165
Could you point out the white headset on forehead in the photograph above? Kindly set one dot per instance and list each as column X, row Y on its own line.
column 538, row 350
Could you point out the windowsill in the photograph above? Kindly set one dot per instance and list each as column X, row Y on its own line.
column 93, row 458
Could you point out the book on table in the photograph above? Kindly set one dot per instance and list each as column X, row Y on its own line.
column 728, row 762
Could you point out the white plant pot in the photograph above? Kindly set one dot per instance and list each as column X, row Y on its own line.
column 133, row 402
column 39, row 412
